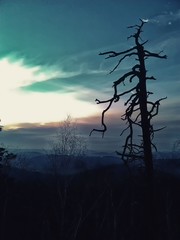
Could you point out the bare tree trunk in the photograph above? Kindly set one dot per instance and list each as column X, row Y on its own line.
column 146, row 136
column 145, row 123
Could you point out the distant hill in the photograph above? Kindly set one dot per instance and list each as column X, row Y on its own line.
column 42, row 162
column 36, row 161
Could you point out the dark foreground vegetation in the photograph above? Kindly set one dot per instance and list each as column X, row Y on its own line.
column 105, row 203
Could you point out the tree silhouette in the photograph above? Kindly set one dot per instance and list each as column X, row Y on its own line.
column 67, row 146
column 140, row 110
column 5, row 155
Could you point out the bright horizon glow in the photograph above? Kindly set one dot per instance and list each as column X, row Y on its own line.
column 18, row 106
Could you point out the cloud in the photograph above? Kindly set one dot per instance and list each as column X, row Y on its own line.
column 44, row 33
column 27, row 136
column 67, row 84
column 29, row 92
column 166, row 18
column 36, row 135
column 15, row 73
column 22, row 106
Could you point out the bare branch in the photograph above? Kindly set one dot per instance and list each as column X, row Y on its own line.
column 126, row 92
column 151, row 78
column 122, row 79
column 155, row 107
column 157, row 55
column 125, row 56
column 130, row 98
column 102, row 120
column 159, row 129
column 115, row 54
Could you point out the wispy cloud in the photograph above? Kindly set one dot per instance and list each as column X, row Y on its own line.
column 166, row 18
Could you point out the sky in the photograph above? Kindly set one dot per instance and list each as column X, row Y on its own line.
column 50, row 67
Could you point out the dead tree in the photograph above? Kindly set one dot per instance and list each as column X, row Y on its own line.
column 140, row 110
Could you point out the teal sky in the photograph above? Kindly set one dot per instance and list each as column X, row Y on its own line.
column 49, row 65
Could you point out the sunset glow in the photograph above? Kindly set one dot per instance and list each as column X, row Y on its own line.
column 50, row 66
column 20, row 106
